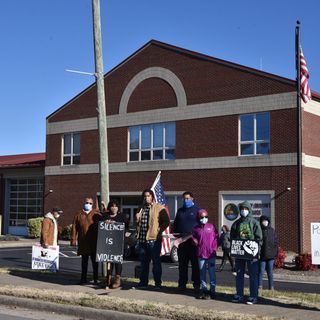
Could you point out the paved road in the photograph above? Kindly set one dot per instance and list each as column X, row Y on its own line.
column 70, row 262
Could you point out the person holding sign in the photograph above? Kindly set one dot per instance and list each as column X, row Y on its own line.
column 49, row 229
column 85, row 230
column 152, row 220
column 247, row 228
column 269, row 251
column 205, row 238
column 113, row 215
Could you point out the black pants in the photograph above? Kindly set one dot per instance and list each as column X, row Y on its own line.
column 84, row 266
column 117, row 267
column 186, row 253
column 226, row 255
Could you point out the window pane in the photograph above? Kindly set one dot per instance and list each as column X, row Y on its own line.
column 134, row 138
column 134, row 156
column 247, row 149
column 157, row 155
column 145, row 155
column 76, row 143
column 262, row 148
column 76, row 160
column 170, row 154
column 158, row 136
column 263, row 127
column 145, row 137
column 67, row 144
column 66, row 160
column 170, row 135
column 246, row 127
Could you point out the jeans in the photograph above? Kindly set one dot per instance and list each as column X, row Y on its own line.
column 266, row 265
column 186, row 253
column 253, row 268
column 209, row 264
column 148, row 251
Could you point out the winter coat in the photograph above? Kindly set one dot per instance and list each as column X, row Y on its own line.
column 205, row 238
column 269, row 248
column 85, row 230
column 225, row 241
column 49, row 231
column 185, row 220
column 158, row 221
column 246, row 227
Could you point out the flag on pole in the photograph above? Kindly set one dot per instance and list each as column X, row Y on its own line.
column 160, row 197
column 305, row 91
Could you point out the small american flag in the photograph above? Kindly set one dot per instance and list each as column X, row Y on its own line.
column 160, row 197
column 305, row 91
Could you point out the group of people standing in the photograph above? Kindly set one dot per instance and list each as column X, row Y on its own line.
column 197, row 240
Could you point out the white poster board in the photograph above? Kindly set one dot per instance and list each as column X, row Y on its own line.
column 45, row 258
column 315, row 243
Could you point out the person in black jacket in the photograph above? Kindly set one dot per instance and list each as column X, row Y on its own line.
column 183, row 224
column 111, row 215
column 269, row 251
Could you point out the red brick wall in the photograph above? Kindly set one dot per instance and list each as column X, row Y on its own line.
column 70, row 190
column 311, row 134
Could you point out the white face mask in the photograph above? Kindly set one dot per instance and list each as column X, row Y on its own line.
column 56, row 215
column 265, row 223
column 87, row 207
column 203, row 220
column 244, row 212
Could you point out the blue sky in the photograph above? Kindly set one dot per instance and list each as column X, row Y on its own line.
column 42, row 38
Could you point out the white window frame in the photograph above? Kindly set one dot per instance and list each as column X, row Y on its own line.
column 151, row 149
column 254, row 141
column 71, row 154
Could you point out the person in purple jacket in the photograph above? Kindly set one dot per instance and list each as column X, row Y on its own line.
column 205, row 237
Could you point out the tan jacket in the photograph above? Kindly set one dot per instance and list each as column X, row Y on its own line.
column 158, row 221
column 85, row 231
column 47, row 233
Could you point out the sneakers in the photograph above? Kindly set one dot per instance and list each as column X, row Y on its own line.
column 234, row 273
column 237, row 299
column 252, row 300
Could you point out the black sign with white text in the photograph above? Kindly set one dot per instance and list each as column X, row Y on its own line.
column 244, row 249
column 110, row 242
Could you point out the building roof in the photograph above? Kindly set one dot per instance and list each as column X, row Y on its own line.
column 23, row 160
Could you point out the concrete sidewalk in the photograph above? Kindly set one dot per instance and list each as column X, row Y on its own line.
column 169, row 295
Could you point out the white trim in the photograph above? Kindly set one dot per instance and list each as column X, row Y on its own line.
column 312, row 107
column 310, row 161
column 153, row 72
column 197, row 111
column 281, row 159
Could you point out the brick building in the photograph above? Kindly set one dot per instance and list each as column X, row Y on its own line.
column 224, row 131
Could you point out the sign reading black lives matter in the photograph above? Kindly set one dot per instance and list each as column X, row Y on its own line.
column 110, row 242
column 244, row 249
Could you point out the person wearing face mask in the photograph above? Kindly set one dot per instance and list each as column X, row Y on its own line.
column 246, row 228
column 184, row 222
column 49, row 229
column 205, row 238
column 112, row 214
column 269, row 251
column 152, row 219
column 85, row 232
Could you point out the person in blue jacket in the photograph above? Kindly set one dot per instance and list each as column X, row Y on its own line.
column 184, row 222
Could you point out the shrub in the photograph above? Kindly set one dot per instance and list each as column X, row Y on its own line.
column 304, row 262
column 279, row 261
column 65, row 233
column 34, row 227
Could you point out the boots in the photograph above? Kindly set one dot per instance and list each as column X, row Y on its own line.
column 116, row 283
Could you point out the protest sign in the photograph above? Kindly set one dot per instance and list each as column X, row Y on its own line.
column 110, row 242
column 315, row 243
column 45, row 258
column 244, row 249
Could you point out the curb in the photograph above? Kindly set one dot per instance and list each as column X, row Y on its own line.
column 71, row 310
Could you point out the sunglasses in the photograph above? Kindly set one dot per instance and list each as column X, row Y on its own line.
column 88, row 202
column 203, row 217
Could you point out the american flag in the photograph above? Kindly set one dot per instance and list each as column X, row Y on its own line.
column 305, row 91
column 160, row 197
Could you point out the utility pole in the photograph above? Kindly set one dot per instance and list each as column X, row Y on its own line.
column 102, row 119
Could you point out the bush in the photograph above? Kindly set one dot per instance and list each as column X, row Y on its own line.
column 65, row 233
column 304, row 262
column 34, row 227
column 279, row 261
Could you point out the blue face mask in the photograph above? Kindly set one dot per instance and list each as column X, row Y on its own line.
column 204, row 220
column 87, row 207
column 187, row 203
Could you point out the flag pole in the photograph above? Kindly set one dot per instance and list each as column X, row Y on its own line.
column 299, row 141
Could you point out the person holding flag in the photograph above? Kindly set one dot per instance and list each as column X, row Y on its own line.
column 152, row 219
